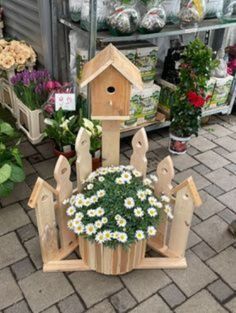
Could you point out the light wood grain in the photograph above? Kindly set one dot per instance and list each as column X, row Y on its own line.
column 65, row 266
column 162, row 263
column 110, row 143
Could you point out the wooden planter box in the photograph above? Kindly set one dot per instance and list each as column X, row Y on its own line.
column 7, row 97
column 30, row 122
column 57, row 242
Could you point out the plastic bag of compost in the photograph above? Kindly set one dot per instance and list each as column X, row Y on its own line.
column 192, row 12
column 102, row 12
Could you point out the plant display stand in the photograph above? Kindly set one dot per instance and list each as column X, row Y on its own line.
column 170, row 243
column 30, row 122
column 7, row 97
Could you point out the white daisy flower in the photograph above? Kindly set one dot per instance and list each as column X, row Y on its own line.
column 168, row 211
column 117, row 217
column 154, row 178
column 148, row 192
column 101, row 193
column 141, row 195
column 136, row 173
column 139, row 235
column 66, row 201
column 104, row 220
column 101, row 179
column 90, row 186
column 79, row 229
column 112, row 169
column 100, row 237
column 70, row 224
column 79, row 196
column 94, row 199
column 76, row 222
column 152, row 212
column 107, row 235
column 72, row 199
column 151, row 230
column 138, row 212
column 91, row 213
column 98, row 224
column 71, row 211
column 129, row 167
column 126, row 176
column 147, row 182
column 103, row 170
column 115, row 235
column 100, row 211
column 119, row 181
column 122, row 237
column 91, row 177
column 165, row 199
column 79, row 202
column 158, row 205
column 87, row 202
column 90, row 229
column 129, row 203
column 152, row 200
column 121, row 222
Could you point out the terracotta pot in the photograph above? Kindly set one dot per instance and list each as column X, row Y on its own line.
column 178, row 145
column 96, row 163
column 111, row 261
column 68, row 154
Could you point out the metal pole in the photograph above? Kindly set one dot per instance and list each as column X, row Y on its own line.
column 92, row 42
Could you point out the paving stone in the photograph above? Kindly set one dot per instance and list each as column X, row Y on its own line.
column 231, row 157
column 103, row 307
column 212, row 160
column 42, row 290
column 153, row 304
column 134, row 282
column 227, row 143
column 195, row 220
column 209, row 207
column 33, row 159
column 202, row 144
column 123, row 301
column 227, row 215
column 183, row 162
column 201, row 302
column 27, row 149
column 45, row 169
column 160, row 154
column 164, row 142
column 32, row 216
column 229, row 199
column 21, row 191
column 97, row 285
column 192, row 151
column 220, row 290
column 215, row 232
column 11, row 250
column 28, row 168
column 22, row 268
column 195, row 277
column 27, row 232
column 224, row 265
column 209, row 136
column 218, row 130
column 193, row 239
column 214, row 190
column 52, row 309
column 201, row 169
column 31, row 179
column 231, row 305
column 231, row 168
column 153, row 144
column 20, row 307
column 33, row 248
column 71, row 304
column 46, row 150
column 223, row 178
column 203, row 251
column 172, row 295
column 9, row 291
column 8, row 220
column 199, row 180
column 221, row 151
column 124, row 160
column 24, row 204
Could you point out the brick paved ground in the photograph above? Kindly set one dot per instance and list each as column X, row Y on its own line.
column 207, row 285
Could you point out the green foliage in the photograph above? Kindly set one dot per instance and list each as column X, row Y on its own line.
column 195, row 69
column 94, row 129
column 11, row 168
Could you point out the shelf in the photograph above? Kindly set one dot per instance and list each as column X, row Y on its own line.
column 168, row 30
column 221, row 109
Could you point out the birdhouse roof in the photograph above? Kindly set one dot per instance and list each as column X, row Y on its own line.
column 111, row 56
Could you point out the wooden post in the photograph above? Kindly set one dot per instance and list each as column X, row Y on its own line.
column 111, row 142
column 84, row 158
column 140, row 147
column 64, row 188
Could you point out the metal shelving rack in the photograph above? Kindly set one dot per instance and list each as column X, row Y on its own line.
column 101, row 39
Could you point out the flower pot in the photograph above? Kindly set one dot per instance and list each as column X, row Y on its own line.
column 67, row 154
column 178, row 145
column 96, row 163
column 111, row 261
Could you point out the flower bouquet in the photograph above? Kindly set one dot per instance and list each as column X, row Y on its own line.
column 116, row 211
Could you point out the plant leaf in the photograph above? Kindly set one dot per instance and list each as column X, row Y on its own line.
column 6, row 188
column 6, row 129
column 5, row 173
column 17, row 174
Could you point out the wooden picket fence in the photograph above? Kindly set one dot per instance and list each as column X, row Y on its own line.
column 57, row 242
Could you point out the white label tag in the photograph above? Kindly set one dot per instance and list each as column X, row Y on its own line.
column 65, row 101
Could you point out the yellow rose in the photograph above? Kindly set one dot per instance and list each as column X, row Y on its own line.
column 8, row 62
column 3, row 43
column 20, row 59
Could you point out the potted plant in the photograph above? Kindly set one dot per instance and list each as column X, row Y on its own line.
column 11, row 168
column 95, row 131
column 194, row 73
column 31, row 92
column 115, row 214
column 62, row 129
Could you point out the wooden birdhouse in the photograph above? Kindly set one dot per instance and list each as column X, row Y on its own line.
column 111, row 76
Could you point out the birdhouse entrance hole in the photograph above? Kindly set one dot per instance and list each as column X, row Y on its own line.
column 111, row 89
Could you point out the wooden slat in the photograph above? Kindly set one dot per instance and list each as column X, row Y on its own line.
column 140, row 147
column 110, row 143
column 65, row 266
column 162, row 263
column 65, row 252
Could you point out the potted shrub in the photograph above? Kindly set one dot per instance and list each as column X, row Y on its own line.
column 115, row 214
column 194, row 72
column 31, row 92
column 62, row 129
column 11, row 168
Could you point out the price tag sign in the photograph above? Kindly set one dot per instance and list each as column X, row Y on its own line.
column 65, row 101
